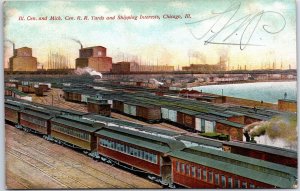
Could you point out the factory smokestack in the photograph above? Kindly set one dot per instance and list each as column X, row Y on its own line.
column 13, row 44
column 78, row 41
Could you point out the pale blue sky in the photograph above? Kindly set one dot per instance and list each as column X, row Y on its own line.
column 167, row 40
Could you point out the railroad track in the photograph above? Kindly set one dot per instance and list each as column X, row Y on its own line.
column 69, row 160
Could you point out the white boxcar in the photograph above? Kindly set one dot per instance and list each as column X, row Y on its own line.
column 126, row 108
column 172, row 115
column 165, row 113
column 132, row 110
column 110, row 102
column 84, row 98
column 209, row 126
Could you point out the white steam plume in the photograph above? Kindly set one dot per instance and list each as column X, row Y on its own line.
column 87, row 70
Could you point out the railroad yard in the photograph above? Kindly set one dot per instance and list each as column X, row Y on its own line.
column 34, row 163
column 58, row 101
column 56, row 137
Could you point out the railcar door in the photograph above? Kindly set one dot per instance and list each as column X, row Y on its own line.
column 166, row 170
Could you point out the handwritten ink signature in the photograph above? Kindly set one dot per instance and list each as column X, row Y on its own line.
column 246, row 24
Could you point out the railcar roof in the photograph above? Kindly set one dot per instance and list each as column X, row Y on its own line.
column 172, row 144
column 233, row 124
column 78, row 123
column 264, row 148
column 201, row 140
column 276, row 174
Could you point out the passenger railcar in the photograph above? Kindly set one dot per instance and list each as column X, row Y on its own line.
column 75, row 132
column 263, row 152
column 36, row 119
column 138, row 151
column 12, row 112
column 199, row 167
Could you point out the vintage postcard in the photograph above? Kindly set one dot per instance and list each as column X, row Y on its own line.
column 150, row 94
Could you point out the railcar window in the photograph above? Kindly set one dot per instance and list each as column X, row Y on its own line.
column 210, row 176
column 36, row 121
column 74, row 133
column 146, row 155
column 129, row 150
column 217, row 179
column 193, row 171
column 244, row 184
column 199, row 173
column 251, row 185
column 223, row 181
column 230, row 182
column 182, row 167
column 187, row 169
column 204, row 175
column 177, row 166
column 150, row 157
column 236, row 183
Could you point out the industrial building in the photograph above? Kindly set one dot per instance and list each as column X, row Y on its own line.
column 22, row 60
column 127, row 67
column 95, row 58
column 220, row 66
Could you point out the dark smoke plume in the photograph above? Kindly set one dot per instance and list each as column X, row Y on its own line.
column 10, row 41
column 76, row 40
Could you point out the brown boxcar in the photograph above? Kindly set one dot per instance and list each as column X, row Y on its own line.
column 28, row 89
column 234, row 130
column 39, row 91
column 118, row 105
column 44, row 87
column 186, row 118
column 148, row 112
column 99, row 108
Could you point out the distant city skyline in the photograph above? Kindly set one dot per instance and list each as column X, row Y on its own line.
column 161, row 41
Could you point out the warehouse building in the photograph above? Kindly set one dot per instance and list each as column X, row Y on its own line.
column 22, row 60
column 127, row 67
column 95, row 58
